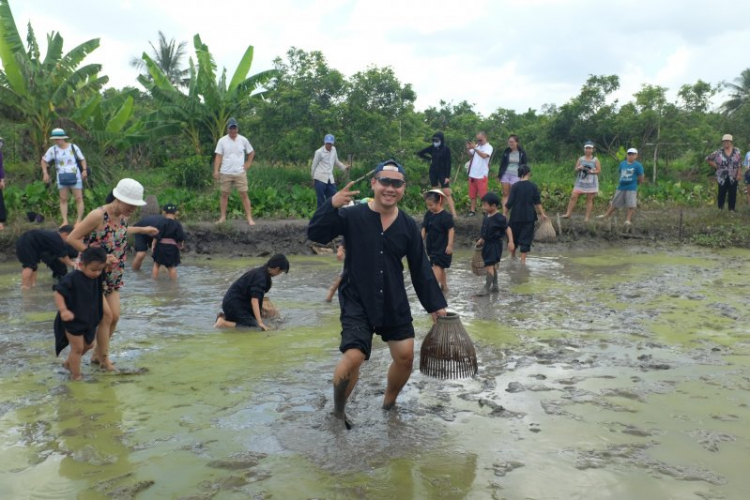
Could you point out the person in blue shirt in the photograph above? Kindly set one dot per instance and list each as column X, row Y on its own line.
column 626, row 196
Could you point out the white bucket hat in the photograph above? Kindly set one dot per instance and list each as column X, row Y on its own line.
column 58, row 133
column 129, row 191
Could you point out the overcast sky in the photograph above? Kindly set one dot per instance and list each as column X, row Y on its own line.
column 518, row 55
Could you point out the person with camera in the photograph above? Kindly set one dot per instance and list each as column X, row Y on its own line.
column 727, row 162
column 587, row 181
column 72, row 172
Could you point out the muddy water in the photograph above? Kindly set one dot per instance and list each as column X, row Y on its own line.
column 624, row 374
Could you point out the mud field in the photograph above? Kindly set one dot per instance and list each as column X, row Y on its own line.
column 610, row 373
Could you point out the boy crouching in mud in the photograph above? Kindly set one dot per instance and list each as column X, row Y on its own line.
column 79, row 300
column 243, row 301
column 372, row 292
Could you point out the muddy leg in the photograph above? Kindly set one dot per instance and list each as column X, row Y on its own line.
column 489, row 277
column 402, row 352
column 344, row 379
column 74, row 356
column 496, row 288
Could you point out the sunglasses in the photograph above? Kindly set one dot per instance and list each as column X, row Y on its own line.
column 387, row 181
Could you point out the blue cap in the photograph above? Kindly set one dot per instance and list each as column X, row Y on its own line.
column 392, row 166
column 329, row 139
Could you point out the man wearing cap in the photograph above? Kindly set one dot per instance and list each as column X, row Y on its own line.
column 626, row 195
column 322, row 170
column 372, row 294
column 479, row 168
column 234, row 156
column 727, row 161
column 72, row 171
column 3, row 213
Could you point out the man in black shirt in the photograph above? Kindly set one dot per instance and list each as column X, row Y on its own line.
column 439, row 156
column 372, row 292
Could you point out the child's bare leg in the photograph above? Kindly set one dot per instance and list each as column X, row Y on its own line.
column 172, row 273
column 221, row 322
column 33, row 278
column 444, row 279
column 489, row 279
column 155, row 271
column 74, row 356
column 523, row 258
column 27, row 275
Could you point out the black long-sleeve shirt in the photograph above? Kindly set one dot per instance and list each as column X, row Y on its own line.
column 440, row 160
column 522, row 202
column 373, row 268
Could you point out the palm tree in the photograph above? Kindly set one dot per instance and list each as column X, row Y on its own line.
column 739, row 93
column 43, row 92
column 168, row 56
column 209, row 102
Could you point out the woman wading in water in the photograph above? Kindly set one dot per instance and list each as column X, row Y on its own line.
column 107, row 227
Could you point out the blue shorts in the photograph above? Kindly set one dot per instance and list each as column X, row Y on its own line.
column 77, row 185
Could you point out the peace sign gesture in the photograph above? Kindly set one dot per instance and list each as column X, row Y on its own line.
column 343, row 197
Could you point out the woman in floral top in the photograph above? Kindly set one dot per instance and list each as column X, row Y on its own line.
column 727, row 161
column 107, row 227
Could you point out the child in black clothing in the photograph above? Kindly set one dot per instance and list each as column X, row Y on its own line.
column 523, row 202
column 493, row 228
column 39, row 245
column 243, row 301
column 79, row 300
column 167, row 243
column 438, row 231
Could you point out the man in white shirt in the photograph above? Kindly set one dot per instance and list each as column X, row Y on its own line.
column 234, row 156
column 479, row 168
column 322, row 170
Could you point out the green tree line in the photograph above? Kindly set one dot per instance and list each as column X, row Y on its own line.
column 177, row 109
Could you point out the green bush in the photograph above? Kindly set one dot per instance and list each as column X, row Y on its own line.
column 193, row 172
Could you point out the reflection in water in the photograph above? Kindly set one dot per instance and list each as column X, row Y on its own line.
column 623, row 373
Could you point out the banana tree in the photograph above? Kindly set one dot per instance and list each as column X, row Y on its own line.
column 39, row 91
column 203, row 111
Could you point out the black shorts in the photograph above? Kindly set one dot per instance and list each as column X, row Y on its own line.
column 239, row 313
column 523, row 235
column 27, row 254
column 441, row 260
column 143, row 242
column 167, row 255
column 356, row 330
column 492, row 251
column 61, row 340
column 435, row 181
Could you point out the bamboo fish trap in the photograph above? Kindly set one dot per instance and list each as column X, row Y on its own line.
column 447, row 350
column 545, row 233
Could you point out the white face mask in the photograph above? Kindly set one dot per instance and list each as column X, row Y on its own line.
column 436, row 143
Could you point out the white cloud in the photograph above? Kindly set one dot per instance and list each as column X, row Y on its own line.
column 493, row 53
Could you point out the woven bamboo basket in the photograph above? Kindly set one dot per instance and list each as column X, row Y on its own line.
column 447, row 351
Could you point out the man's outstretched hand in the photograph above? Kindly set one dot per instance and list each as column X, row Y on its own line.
column 343, row 197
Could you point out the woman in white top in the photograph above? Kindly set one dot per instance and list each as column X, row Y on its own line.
column 71, row 172
column 587, row 181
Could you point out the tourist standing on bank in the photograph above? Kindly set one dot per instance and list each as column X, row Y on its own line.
column 322, row 170
column 234, row 157
column 746, row 164
column 587, row 181
column 727, row 162
column 72, row 171
column 3, row 213
column 513, row 157
column 479, row 168
column 439, row 156
column 626, row 194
